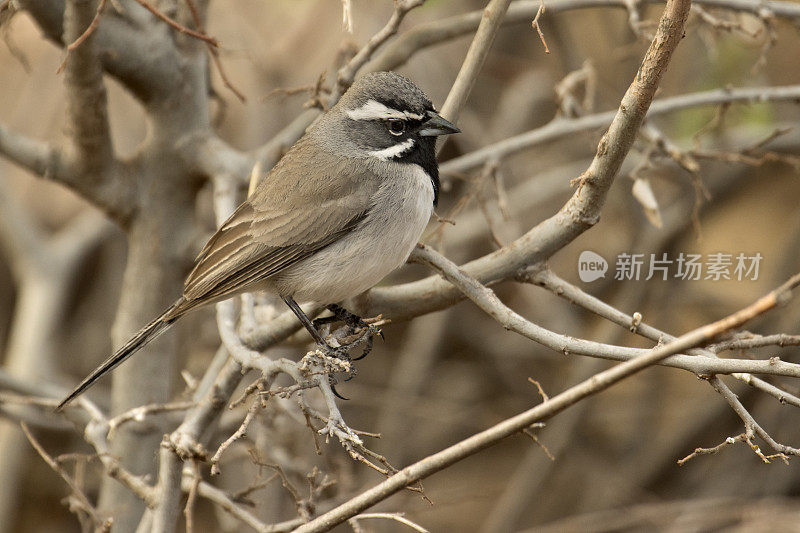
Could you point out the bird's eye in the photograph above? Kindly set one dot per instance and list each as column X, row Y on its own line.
column 397, row 127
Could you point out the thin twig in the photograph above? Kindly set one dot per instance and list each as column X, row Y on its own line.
column 177, row 25
column 102, row 524
column 85, row 35
column 538, row 28
column 188, row 511
column 397, row 517
column 346, row 74
column 238, row 434
column 214, row 53
column 547, row 279
column 560, row 127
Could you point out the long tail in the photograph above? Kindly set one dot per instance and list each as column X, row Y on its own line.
column 138, row 341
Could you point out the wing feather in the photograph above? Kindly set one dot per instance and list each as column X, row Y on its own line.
column 224, row 272
column 273, row 230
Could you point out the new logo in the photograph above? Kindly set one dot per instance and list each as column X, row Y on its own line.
column 591, row 266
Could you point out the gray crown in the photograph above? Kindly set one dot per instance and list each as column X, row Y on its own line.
column 388, row 88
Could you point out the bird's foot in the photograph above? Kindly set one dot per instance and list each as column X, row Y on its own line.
column 359, row 330
column 341, row 354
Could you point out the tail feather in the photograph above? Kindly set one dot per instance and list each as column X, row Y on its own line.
column 138, row 341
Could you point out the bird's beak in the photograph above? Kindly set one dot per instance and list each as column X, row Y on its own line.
column 436, row 125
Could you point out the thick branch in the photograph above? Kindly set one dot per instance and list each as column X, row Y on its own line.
column 87, row 110
column 125, row 38
column 38, row 157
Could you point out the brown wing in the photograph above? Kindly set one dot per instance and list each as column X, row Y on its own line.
column 285, row 221
column 234, row 258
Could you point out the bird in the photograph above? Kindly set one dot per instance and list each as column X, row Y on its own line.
column 344, row 207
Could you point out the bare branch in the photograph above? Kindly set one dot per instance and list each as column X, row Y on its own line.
column 177, row 25
column 86, row 33
column 561, row 127
column 547, row 279
column 100, row 524
column 749, row 341
column 38, row 157
column 218, row 497
column 346, row 74
column 751, row 426
column 214, row 53
column 397, row 517
column 86, row 94
column 491, row 19
column 486, row 299
column 428, row 34
column 555, row 405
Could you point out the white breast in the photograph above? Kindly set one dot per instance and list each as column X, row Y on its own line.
column 382, row 242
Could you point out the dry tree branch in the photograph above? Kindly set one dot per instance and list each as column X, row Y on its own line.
column 194, row 484
column 53, row 163
column 713, row 450
column 550, row 281
column 751, row 426
column 346, row 74
column 547, row 279
column 139, row 413
column 436, row 32
column 214, row 53
column 488, row 302
column 599, row 382
column 36, row 156
column 201, row 35
column 538, row 28
column 99, row 523
column 87, row 108
column 219, row 498
column 96, row 434
column 397, row 517
column 491, row 18
column 561, row 127
column 748, row 341
column 85, row 35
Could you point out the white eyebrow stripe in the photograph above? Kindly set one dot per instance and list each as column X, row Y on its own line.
column 374, row 110
column 393, row 151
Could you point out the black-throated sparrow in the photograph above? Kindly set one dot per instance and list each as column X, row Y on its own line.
column 343, row 208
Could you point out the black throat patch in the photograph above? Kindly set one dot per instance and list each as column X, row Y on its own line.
column 424, row 154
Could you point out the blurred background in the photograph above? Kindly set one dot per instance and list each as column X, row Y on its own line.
column 445, row 376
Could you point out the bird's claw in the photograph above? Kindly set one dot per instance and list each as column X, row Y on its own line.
column 332, row 382
column 354, row 323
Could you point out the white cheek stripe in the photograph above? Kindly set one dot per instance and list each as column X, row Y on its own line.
column 374, row 110
column 393, row 151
